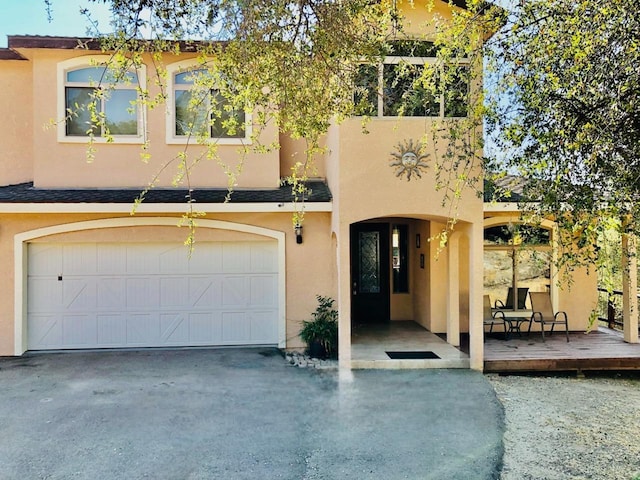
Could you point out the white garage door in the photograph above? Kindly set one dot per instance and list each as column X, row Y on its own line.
column 100, row 295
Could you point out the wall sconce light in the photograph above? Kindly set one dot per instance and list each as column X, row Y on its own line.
column 298, row 231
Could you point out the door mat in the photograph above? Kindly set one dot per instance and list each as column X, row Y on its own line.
column 411, row 355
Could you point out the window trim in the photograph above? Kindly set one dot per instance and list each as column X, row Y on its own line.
column 88, row 61
column 171, row 137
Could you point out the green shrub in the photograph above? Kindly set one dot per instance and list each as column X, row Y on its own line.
column 322, row 330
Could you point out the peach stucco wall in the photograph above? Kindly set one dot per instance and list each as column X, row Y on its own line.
column 16, row 104
column 294, row 151
column 309, row 269
column 63, row 164
column 419, row 15
column 579, row 299
column 370, row 187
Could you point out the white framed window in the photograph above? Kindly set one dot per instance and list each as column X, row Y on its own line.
column 93, row 100
column 196, row 110
column 393, row 88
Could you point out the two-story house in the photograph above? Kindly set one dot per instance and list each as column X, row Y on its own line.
column 82, row 272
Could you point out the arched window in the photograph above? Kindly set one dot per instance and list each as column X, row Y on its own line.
column 99, row 102
column 197, row 110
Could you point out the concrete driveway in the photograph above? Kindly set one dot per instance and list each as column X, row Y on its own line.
column 240, row 414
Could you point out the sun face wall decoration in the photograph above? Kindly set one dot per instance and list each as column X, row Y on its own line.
column 408, row 159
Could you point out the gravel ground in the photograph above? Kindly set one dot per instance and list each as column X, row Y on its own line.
column 570, row 428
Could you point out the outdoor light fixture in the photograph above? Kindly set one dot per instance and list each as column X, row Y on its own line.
column 298, row 231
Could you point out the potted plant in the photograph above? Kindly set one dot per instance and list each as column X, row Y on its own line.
column 321, row 332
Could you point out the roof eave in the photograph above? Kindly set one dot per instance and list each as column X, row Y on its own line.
column 10, row 54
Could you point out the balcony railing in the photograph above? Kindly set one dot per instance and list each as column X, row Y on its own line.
column 610, row 308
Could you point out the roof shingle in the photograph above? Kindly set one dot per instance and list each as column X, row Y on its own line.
column 26, row 193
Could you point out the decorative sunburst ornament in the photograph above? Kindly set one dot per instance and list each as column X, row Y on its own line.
column 408, row 159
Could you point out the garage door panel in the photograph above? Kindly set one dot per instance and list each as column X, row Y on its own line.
column 205, row 292
column 143, row 259
column 174, row 330
column 174, row 292
column 206, row 260
column 143, row 329
column 235, row 291
column 263, row 258
column 79, row 259
column 262, row 328
column 235, row 258
column 263, row 291
column 45, row 294
column 143, row 292
column 236, row 327
column 44, row 331
column 45, row 259
column 79, row 294
column 111, row 259
column 204, row 329
column 131, row 296
column 111, row 293
column 111, row 330
column 79, row 331
column 174, row 260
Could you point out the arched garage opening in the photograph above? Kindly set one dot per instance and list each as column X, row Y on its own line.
column 140, row 291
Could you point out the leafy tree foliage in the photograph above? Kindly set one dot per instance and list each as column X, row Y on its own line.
column 296, row 64
column 561, row 96
column 296, row 55
column 566, row 113
column 288, row 63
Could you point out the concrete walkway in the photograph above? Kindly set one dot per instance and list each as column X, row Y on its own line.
column 240, row 414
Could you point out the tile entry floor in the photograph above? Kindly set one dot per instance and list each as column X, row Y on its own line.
column 370, row 343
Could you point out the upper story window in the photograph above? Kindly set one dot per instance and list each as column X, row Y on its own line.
column 98, row 102
column 196, row 110
column 395, row 87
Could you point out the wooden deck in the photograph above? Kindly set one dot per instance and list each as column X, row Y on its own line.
column 603, row 349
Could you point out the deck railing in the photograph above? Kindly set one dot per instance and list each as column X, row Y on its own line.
column 610, row 308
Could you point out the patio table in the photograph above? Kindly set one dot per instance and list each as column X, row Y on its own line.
column 515, row 319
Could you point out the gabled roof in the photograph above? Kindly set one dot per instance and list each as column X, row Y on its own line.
column 26, row 193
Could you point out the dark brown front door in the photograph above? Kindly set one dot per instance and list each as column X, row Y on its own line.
column 370, row 301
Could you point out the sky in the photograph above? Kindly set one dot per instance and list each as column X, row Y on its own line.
column 29, row 17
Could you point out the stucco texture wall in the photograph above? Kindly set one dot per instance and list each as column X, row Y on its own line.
column 16, row 104
column 64, row 164
column 309, row 268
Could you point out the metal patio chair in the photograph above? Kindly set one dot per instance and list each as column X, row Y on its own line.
column 492, row 318
column 508, row 303
column 544, row 315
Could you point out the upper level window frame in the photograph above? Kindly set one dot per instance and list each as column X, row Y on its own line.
column 89, row 62
column 172, row 138
column 391, row 60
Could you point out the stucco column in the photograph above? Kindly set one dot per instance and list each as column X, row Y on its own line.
column 476, row 289
column 453, row 289
column 344, row 298
column 630, row 288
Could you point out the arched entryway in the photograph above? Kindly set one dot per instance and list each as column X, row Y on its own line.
column 409, row 293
